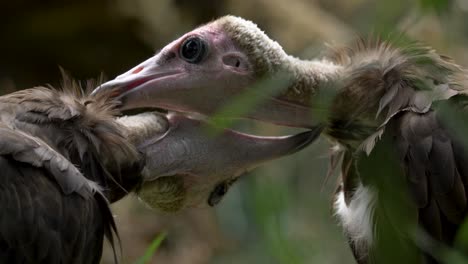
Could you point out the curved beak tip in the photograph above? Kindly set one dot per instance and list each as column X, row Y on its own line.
column 307, row 138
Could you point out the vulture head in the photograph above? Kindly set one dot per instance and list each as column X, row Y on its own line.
column 188, row 167
column 201, row 72
column 207, row 67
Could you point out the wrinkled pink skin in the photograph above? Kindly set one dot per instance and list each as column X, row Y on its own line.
column 170, row 82
column 179, row 84
column 167, row 81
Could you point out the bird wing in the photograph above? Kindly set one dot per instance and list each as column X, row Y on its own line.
column 431, row 162
column 435, row 159
column 50, row 212
column 83, row 129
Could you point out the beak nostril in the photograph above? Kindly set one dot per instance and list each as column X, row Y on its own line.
column 137, row 70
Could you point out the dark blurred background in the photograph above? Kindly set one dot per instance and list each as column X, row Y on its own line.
column 277, row 214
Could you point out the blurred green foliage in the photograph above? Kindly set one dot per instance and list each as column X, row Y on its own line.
column 152, row 248
column 439, row 6
column 268, row 203
column 247, row 100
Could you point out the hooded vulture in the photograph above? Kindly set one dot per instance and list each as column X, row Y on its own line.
column 64, row 155
column 388, row 109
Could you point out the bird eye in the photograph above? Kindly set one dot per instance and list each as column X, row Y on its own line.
column 193, row 49
column 217, row 194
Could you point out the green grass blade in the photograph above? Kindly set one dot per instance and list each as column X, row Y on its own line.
column 152, row 249
column 248, row 100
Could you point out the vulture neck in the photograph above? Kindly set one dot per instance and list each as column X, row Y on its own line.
column 355, row 96
column 295, row 103
column 348, row 113
column 307, row 78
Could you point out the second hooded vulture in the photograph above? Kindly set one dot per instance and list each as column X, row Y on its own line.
column 385, row 107
column 64, row 155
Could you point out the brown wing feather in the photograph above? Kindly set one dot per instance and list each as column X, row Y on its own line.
column 435, row 163
column 50, row 212
column 435, row 171
column 39, row 224
column 396, row 89
column 80, row 127
column 432, row 169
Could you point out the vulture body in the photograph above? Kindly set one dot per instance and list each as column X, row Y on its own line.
column 65, row 155
column 53, row 210
column 388, row 109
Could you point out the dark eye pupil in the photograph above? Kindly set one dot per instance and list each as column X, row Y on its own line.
column 193, row 50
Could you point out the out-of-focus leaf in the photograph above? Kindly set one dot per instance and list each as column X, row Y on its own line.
column 455, row 119
column 152, row 249
column 246, row 101
column 270, row 201
column 461, row 239
column 454, row 257
column 439, row 6
column 394, row 212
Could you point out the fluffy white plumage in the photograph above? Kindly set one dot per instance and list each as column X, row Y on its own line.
column 357, row 217
column 144, row 126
